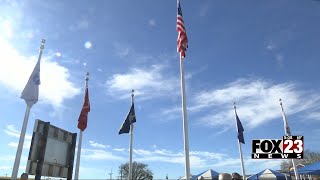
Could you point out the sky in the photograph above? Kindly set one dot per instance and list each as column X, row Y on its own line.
column 248, row 52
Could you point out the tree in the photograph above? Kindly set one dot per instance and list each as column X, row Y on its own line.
column 140, row 171
column 309, row 157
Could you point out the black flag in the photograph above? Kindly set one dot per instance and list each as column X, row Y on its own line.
column 131, row 118
column 240, row 130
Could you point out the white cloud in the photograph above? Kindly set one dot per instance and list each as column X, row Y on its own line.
column 279, row 57
column 200, row 160
column 142, row 152
column 148, row 83
column 257, row 102
column 314, row 115
column 97, row 145
column 99, row 70
column 169, row 114
column 119, row 149
column 197, row 159
column 99, row 154
column 26, row 144
column 16, row 69
column 12, row 131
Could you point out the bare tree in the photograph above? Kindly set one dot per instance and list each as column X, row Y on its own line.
column 140, row 171
column 309, row 157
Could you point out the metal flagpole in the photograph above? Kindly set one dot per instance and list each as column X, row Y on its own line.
column 24, row 128
column 242, row 164
column 131, row 139
column 76, row 174
column 240, row 146
column 288, row 133
column 185, row 121
column 20, row 146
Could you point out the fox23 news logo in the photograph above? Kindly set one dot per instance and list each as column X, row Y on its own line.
column 290, row 147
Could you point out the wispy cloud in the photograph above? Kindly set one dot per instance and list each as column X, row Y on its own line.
column 26, row 144
column 278, row 56
column 257, row 100
column 12, row 131
column 203, row 159
column 198, row 159
column 314, row 115
column 15, row 73
column 119, row 149
column 97, row 145
column 99, row 154
column 149, row 82
column 122, row 50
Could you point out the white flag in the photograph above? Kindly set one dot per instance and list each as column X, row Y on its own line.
column 30, row 93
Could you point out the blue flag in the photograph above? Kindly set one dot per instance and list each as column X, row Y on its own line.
column 240, row 130
column 131, row 118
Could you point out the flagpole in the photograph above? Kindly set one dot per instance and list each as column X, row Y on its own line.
column 288, row 133
column 185, row 121
column 240, row 146
column 24, row 128
column 76, row 174
column 131, row 139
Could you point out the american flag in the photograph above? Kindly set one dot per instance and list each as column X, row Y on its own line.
column 182, row 42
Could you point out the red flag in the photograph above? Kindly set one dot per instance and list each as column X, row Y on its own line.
column 83, row 118
column 182, row 42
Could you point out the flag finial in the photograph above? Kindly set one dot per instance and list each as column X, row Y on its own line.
column 280, row 100
column 132, row 92
column 87, row 76
column 234, row 105
column 42, row 43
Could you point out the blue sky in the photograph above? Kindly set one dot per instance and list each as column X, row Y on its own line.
column 251, row 52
